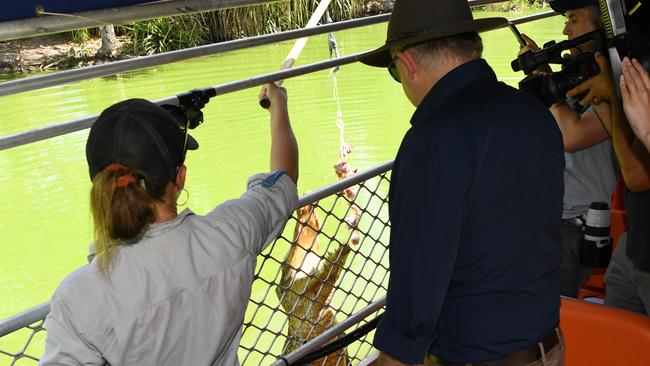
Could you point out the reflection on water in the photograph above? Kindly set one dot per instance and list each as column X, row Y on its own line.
column 45, row 226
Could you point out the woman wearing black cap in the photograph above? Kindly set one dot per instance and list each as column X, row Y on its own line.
column 165, row 288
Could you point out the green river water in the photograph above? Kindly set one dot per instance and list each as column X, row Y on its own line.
column 45, row 225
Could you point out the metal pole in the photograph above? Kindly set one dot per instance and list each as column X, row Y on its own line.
column 48, row 24
column 23, row 319
column 350, row 181
column 331, row 333
column 23, row 138
column 88, row 72
column 475, row 3
column 533, row 17
column 60, row 23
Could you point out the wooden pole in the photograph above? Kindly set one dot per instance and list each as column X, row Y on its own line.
column 296, row 49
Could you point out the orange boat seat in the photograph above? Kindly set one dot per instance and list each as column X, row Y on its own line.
column 600, row 335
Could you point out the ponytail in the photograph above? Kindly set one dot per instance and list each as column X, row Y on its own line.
column 122, row 210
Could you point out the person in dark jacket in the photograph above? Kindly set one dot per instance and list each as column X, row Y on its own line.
column 475, row 202
column 628, row 274
column 591, row 171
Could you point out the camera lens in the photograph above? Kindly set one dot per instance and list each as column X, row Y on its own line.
column 596, row 249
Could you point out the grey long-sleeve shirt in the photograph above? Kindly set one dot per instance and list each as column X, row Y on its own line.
column 178, row 296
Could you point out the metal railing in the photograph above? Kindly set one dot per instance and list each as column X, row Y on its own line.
column 112, row 68
column 26, row 326
column 38, row 134
column 356, row 256
column 48, row 24
column 356, row 282
column 42, row 133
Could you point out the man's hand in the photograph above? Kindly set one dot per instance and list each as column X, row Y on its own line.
column 635, row 91
column 532, row 46
column 601, row 87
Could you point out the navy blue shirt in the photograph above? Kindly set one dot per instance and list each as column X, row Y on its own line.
column 475, row 205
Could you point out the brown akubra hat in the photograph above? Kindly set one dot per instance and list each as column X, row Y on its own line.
column 417, row 21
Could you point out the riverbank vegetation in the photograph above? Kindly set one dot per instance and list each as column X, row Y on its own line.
column 517, row 5
column 83, row 47
column 165, row 34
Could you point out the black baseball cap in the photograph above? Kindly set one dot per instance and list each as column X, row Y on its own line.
column 142, row 136
column 562, row 6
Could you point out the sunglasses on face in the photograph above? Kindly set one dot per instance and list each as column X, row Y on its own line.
column 392, row 70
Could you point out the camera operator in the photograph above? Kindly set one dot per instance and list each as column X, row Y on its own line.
column 590, row 173
column 628, row 274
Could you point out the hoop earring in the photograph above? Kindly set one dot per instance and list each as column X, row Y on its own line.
column 187, row 198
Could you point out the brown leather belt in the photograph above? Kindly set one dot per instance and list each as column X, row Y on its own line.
column 517, row 358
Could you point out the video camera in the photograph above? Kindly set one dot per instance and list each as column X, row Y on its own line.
column 552, row 88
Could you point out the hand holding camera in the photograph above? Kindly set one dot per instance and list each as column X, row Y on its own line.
column 552, row 87
column 599, row 88
column 530, row 45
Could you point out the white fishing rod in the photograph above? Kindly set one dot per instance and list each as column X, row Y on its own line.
column 297, row 48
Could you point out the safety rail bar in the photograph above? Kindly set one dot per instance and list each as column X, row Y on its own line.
column 112, row 68
column 24, row 319
column 48, row 24
column 331, row 334
column 350, row 181
column 46, row 132
column 42, row 133
column 533, row 17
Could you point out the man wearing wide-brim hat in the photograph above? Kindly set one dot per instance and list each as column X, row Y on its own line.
column 475, row 202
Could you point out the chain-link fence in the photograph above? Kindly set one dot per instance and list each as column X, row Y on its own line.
column 330, row 263
column 31, row 338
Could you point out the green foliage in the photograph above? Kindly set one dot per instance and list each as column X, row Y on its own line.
column 164, row 34
column 178, row 32
column 516, row 5
column 268, row 18
column 80, row 35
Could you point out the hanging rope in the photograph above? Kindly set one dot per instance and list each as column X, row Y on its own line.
column 343, row 168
